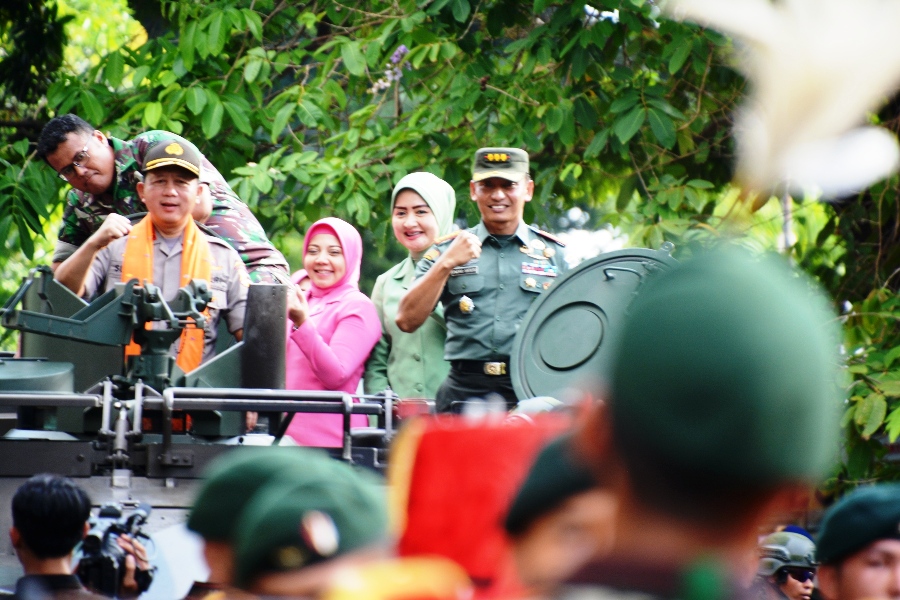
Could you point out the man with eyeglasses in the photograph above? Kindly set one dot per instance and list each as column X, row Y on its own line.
column 486, row 277
column 104, row 172
column 859, row 545
column 787, row 567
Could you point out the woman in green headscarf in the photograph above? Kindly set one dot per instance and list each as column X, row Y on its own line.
column 411, row 364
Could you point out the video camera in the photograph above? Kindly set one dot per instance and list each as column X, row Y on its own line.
column 102, row 564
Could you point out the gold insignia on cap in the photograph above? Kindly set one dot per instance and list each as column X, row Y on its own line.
column 289, row 557
column 496, row 157
column 466, row 305
column 174, row 148
column 549, row 252
column 319, row 532
column 530, row 282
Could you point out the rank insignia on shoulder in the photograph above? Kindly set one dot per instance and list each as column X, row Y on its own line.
column 447, row 237
column 432, row 254
column 466, row 306
column 549, row 236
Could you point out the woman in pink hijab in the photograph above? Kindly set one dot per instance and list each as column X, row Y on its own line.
column 332, row 328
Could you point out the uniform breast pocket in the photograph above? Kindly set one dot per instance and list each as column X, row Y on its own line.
column 465, row 284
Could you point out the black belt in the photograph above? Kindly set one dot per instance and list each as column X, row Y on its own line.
column 481, row 367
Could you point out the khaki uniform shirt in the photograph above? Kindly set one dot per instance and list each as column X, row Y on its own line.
column 485, row 299
column 229, row 281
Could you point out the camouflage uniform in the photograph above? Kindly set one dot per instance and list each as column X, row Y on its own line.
column 231, row 219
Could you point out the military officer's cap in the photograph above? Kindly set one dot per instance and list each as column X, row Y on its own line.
column 862, row 517
column 311, row 518
column 233, row 479
column 508, row 163
column 172, row 152
column 727, row 369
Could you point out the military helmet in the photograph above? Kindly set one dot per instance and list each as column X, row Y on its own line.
column 785, row 549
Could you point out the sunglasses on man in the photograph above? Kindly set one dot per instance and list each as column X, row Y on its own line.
column 800, row 574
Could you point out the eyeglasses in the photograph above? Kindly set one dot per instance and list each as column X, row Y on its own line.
column 800, row 574
column 68, row 171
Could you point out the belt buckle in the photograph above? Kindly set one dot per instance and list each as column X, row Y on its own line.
column 495, row 368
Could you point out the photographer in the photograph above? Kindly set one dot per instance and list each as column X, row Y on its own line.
column 50, row 517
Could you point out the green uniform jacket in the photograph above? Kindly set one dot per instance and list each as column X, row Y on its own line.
column 413, row 363
column 485, row 299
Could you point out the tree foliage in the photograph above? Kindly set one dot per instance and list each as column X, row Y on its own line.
column 317, row 108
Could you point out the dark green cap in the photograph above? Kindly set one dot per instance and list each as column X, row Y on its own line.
column 232, row 479
column 172, row 152
column 727, row 368
column 554, row 477
column 863, row 516
column 508, row 163
column 785, row 549
column 289, row 525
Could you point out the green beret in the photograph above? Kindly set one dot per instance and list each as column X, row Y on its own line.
column 727, row 368
column 289, row 525
column 863, row 516
column 554, row 477
column 232, row 479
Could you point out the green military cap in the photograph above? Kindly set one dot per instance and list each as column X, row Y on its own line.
column 508, row 163
column 172, row 152
column 554, row 477
column 727, row 368
column 785, row 549
column 232, row 480
column 324, row 514
column 863, row 516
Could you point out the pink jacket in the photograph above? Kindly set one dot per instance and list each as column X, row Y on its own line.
column 329, row 351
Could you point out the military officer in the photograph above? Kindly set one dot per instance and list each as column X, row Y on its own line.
column 486, row 277
column 104, row 172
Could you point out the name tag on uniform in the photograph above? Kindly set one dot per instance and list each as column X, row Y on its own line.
column 464, row 270
column 539, row 269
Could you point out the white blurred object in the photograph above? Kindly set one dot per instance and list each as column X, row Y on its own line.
column 816, row 68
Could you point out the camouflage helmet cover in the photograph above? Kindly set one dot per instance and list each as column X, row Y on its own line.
column 785, row 549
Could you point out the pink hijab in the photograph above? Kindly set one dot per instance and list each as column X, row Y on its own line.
column 351, row 245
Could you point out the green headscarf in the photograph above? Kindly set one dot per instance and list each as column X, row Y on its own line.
column 436, row 192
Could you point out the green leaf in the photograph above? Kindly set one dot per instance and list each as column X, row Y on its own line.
column 115, row 69
column 152, row 113
column 217, row 34
column 461, row 10
column 254, row 23
column 139, row 74
column 186, row 44
column 93, row 109
column 211, row 121
column 680, row 56
column 626, row 193
column 870, row 413
column 701, row 184
column 891, row 356
column 353, row 58
column 251, row 69
column 238, row 117
column 624, row 102
column 892, row 425
column 627, row 126
column 281, row 120
column 196, row 100
column 554, row 119
column 662, row 128
column 890, row 388
column 597, row 144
